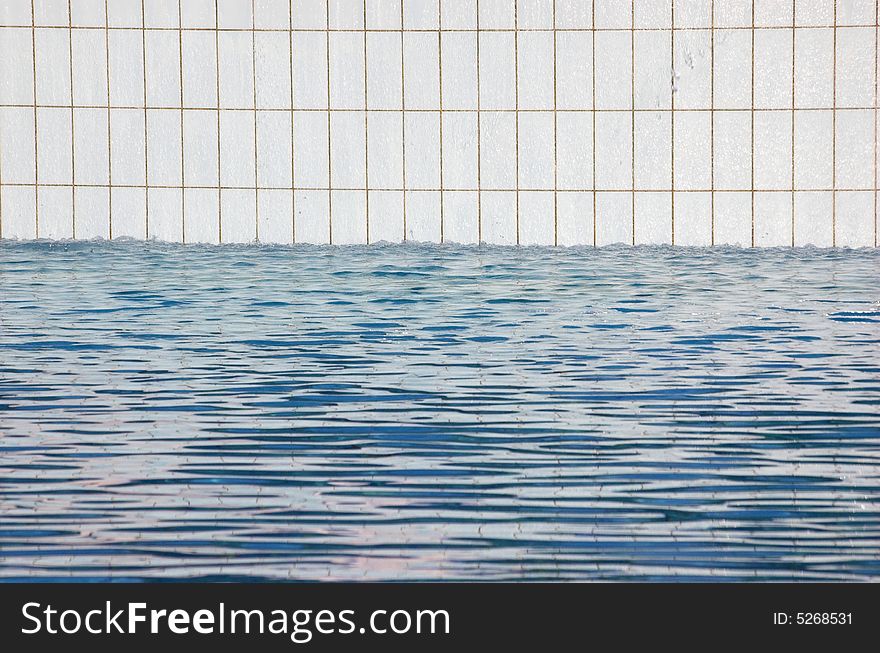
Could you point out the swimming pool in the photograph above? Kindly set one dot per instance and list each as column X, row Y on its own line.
column 418, row 412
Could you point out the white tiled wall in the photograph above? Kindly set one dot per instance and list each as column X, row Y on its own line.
column 693, row 122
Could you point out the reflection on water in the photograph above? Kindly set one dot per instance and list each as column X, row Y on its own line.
column 410, row 412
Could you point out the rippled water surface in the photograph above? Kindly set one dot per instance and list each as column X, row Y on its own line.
column 438, row 413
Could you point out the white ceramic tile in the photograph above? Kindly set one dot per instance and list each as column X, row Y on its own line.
column 772, row 150
column 199, row 70
column 421, row 70
column 693, row 13
column 384, row 73
column 855, row 219
column 309, row 70
column 15, row 12
column 652, row 14
column 349, row 217
column 421, row 14
column 17, row 145
column 693, row 219
column 855, row 149
column 125, row 13
column 773, row 13
column 54, row 146
column 653, row 153
column 773, row 68
column 129, row 218
column 733, row 69
column 127, row 156
column 19, row 212
column 200, row 14
column 384, row 14
column 238, row 216
column 814, row 68
column 310, row 151
column 346, row 14
column 275, row 211
column 813, row 219
column 733, row 150
column 536, row 78
column 272, row 68
column 126, row 68
column 813, row 149
column 856, row 12
column 166, row 214
column 459, row 62
column 498, row 150
column 16, row 59
column 200, row 148
column 89, row 67
column 733, row 219
column 347, row 70
column 162, row 13
column 202, row 215
column 536, row 150
column 309, row 14
column 613, row 54
column 385, row 149
column 423, row 216
column 271, row 14
column 422, row 150
column 51, row 12
column 814, row 12
column 92, row 209
column 235, row 14
column 612, row 14
column 90, row 146
column 237, row 153
column 653, row 70
column 534, row 14
column 460, row 150
column 498, row 216
column 460, row 217
column 458, row 14
column 692, row 155
column 574, row 219
column 613, row 218
column 52, row 48
column 573, row 14
column 236, row 70
column 614, row 150
column 500, row 14
column 537, row 218
column 574, row 70
column 274, row 149
column 856, row 62
column 772, row 219
column 348, row 149
column 55, row 206
column 497, row 71
column 693, row 70
column 163, row 148
column 574, row 150
column 653, row 218
column 163, row 68
column 386, row 216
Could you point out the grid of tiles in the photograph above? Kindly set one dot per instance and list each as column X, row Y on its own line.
column 562, row 122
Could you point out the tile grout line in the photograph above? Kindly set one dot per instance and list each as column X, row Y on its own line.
column 366, row 134
column 593, row 107
column 712, row 121
column 793, row 57
column 256, row 138
column 72, row 127
column 555, row 139
column 632, row 80
column 440, row 102
column 109, row 130
column 479, row 134
column 146, row 139
column 182, row 149
column 672, row 122
column 217, row 89
column 292, row 127
column 516, row 104
column 752, row 136
column 403, row 119
column 329, row 132
column 36, row 140
column 834, row 133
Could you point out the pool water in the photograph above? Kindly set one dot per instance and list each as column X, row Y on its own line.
column 438, row 413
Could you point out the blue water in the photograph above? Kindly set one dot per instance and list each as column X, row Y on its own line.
column 438, row 413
